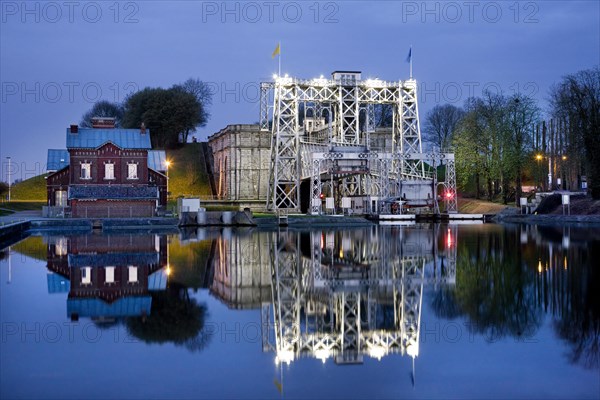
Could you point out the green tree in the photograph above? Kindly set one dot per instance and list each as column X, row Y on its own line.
column 170, row 114
column 3, row 189
column 493, row 143
column 523, row 116
column 103, row 108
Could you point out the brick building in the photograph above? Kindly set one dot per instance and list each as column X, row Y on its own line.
column 107, row 276
column 107, row 172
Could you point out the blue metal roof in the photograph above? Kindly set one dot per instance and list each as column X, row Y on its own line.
column 90, row 138
column 58, row 284
column 57, row 159
column 157, row 160
column 158, row 280
column 130, row 306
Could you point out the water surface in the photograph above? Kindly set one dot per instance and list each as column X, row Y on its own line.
column 421, row 311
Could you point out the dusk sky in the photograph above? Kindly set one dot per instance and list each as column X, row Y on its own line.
column 58, row 58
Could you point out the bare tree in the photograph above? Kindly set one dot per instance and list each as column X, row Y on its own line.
column 576, row 99
column 440, row 123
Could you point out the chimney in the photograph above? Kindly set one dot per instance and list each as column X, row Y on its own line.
column 74, row 128
column 143, row 129
column 103, row 123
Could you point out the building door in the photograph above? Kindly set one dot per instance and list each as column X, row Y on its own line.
column 61, row 198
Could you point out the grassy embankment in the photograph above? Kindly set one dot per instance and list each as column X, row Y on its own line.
column 29, row 194
column 473, row 206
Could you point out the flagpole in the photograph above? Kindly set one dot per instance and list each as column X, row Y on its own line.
column 279, row 74
column 410, row 61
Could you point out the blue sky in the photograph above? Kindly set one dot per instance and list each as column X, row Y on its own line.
column 57, row 58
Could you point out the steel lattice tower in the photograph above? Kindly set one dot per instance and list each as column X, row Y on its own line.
column 332, row 147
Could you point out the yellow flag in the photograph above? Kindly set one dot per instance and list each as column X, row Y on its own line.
column 277, row 50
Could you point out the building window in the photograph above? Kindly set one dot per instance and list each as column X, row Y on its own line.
column 132, row 274
column 86, row 275
column 86, row 170
column 132, row 171
column 109, row 171
column 110, row 274
column 60, row 249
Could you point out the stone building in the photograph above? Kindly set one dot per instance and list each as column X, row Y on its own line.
column 241, row 158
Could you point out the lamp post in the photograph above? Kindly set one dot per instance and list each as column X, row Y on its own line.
column 9, row 172
column 167, row 165
column 539, row 158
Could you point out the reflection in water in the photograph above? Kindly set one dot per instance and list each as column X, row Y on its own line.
column 339, row 294
column 568, row 285
column 346, row 294
column 122, row 278
column 510, row 277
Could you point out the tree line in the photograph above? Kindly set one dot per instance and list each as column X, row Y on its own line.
column 501, row 140
column 170, row 114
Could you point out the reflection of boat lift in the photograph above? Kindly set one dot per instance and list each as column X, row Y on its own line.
column 330, row 306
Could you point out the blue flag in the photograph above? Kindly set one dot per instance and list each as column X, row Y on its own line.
column 409, row 57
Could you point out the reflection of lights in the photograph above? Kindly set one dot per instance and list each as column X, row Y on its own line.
column 341, row 252
column 412, row 349
column 538, row 157
column 168, row 270
column 540, row 269
column 565, row 262
column 377, row 352
column 322, row 354
column 449, row 240
column 286, row 356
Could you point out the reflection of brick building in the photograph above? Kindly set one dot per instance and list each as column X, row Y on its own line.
column 108, row 275
column 107, row 172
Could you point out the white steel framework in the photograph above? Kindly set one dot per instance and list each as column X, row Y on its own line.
column 334, row 150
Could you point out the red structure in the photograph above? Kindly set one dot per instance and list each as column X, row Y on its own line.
column 107, row 172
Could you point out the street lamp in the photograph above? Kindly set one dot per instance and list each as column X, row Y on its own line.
column 8, row 176
column 167, row 165
column 539, row 158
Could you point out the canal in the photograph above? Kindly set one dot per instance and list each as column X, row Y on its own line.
column 412, row 311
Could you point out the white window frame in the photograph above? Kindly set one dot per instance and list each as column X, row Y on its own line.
column 132, row 167
column 132, row 274
column 109, row 166
column 86, row 166
column 86, row 275
column 109, row 273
